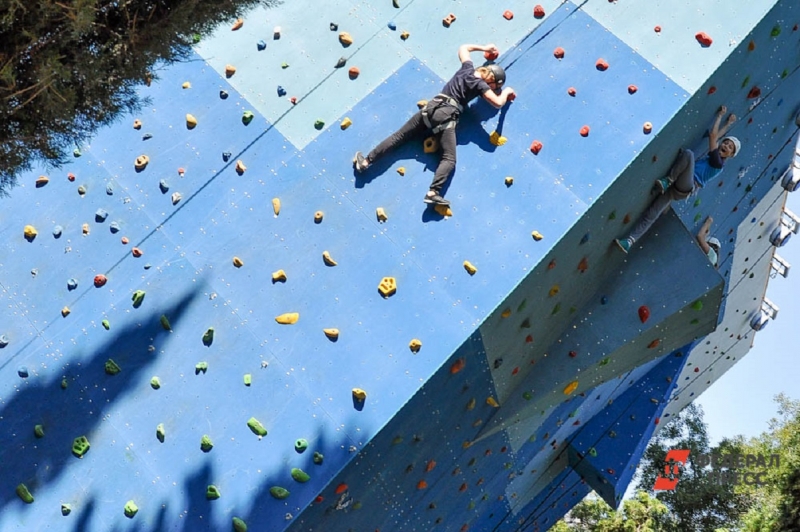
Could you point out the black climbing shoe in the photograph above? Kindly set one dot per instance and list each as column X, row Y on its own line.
column 360, row 162
column 435, row 199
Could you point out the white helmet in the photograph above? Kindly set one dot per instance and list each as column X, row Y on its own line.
column 714, row 241
column 736, row 145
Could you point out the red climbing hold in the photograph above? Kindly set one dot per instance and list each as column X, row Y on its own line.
column 536, row 147
column 751, row 46
column 601, row 65
column 583, row 265
column 515, row 370
column 573, row 354
column 100, row 280
column 657, row 29
column 458, row 365
column 712, row 89
column 657, row 421
column 585, row 131
column 704, row 39
column 538, row 11
column 421, row 485
column 558, row 53
column 654, row 344
column 341, row 488
column 528, row 339
column 490, row 56
column 353, row 72
column 697, row 370
column 755, row 92
column 293, row 99
column 644, row 313
column 318, row 499
column 508, row 15
column 552, row 264
column 632, row 89
column 571, row 91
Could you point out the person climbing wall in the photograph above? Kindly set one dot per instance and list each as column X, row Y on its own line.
column 710, row 245
column 687, row 176
column 440, row 115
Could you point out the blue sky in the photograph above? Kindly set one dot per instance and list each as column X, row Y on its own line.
column 741, row 401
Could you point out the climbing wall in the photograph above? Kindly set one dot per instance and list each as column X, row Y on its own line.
column 209, row 320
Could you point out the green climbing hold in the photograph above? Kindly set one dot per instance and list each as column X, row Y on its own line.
column 131, row 509
column 76, row 152
column 196, row 38
column 106, row 324
column 206, row 444
column 695, row 321
column 256, row 426
column 521, row 306
column 300, row 445
column 573, row 310
column 527, row 396
column 319, row 124
column 592, row 452
column 165, row 322
column 248, row 379
column 299, row 475
column 697, row 202
column 80, row 446
column 697, row 305
column 612, row 215
column 24, row 494
column 137, row 298
column 247, row 117
column 239, row 525
column 64, row 384
column 605, row 361
column 697, row 217
column 776, row 30
column 212, row 493
column 200, row 367
column 66, row 509
column 556, row 309
column 745, row 81
column 208, row 337
column 111, row 367
column 38, row 431
column 748, row 188
column 161, row 433
column 319, row 457
column 279, row 492
column 471, row 505
column 155, row 383
column 356, row 505
column 784, row 73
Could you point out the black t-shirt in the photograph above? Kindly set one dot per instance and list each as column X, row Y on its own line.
column 464, row 85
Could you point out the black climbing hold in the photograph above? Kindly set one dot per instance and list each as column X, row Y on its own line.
column 341, row 62
column 223, row 95
column 334, row 26
column 498, row 362
column 226, row 156
column 147, row 136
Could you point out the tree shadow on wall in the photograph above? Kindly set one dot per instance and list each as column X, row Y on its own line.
column 77, row 410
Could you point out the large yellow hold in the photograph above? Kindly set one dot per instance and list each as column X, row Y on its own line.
column 289, row 318
column 471, row 269
column 30, row 232
column 191, row 121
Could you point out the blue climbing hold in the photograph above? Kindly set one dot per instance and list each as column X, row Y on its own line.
column 585, row 238
column 281, row 91
column 603, row 300
column 72, row 284
column 223, row 95
column 57, row 230
column 109, row 189
column 3, row 340
column 147, row 136
column 22, row 371
column 163, row 186
column 100, row 215
column 261, row 45
column 114, row 227
column 392, row 26
column 226, row 156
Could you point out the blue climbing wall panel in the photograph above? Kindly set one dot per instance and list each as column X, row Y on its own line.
column 523, row 366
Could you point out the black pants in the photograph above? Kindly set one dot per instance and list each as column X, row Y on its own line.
column 415, row 127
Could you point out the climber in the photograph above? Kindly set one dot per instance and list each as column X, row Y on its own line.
column 709, row 245
column 440, row 115
column 686, row 176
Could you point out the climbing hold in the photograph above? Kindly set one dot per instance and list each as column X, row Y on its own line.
column 200, row 367
column 29, row 232
column 319, row 124
column 776, row 30
column 405, row 35
column 279, row 276
column 300, row 445
column 137, row 298
column 584, row 131
column 66, row 509
column 22, row 372
column 212, row 493
column 538, row 11
column 85, row 229
column 3, row 340
column 42, row 181
column 165, row 324
column 72, row 284
column 508, row 15
column 256, row 426
column 712, row 90
column 163, row 186
column 583, row 265
column 490, row 55
column 238, row 24
column 401, row 170
column 346, row 39
column 24, row 494
column 632, row 89
column 472, row 270
column 341, row 488
column 137, row 124
column 571, row 387
column 208, row 337
column 491, row 401
column 585, row 238
column 281, row 91
column 238, row 262
column 704, row 39
column 38, row 431
column 626, row 219
column 644, row 313
column 239, row 525
column 415, row 345
column 130, row 509
column 359, row 395
column 332, row 334
column 191, row 121
column 647, row 128
column 71, row 176
column 276, row 206
column 288, row 318
column 114, row 227
column 230, row 70
column 449, row 19
column 279, row 492
column 654, row 343
column 381, row 214
column 755, row 92
column 387, row 287
column 136, row 252
column 261, row 45
column 558, row 53
column 247, row 117
column 536, row 147
column 601, row 65
column 141, row 162
column 345, row 123
column 276, row 32
column 318, row 217
column 100, row 215
column 458, row 365
column 496, row 139
column 572, row 91
column 155, row 383
column 57, row 230
column 537, row 236
column 326, row 258
column 206, row 444
column 508, row 181
column 353, row 72
column 80, row 446
column 240, row 167
column 65, row 312
column 247, row 379
column 697, row 305
column 657, row 29
column 111, row 367
column 106, row 324
column 340, row 63
column 299, row 475
column 430, row 145
column 604, row 300
column 554, row 290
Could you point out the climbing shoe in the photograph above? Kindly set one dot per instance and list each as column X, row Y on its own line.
column 624, row 244
column 661, row 185
column 435, row 199
column 360, row 162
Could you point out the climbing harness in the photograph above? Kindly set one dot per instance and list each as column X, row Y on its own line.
column 450, row 104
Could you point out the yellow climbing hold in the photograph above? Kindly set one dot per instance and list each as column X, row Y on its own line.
column 332, row 334
column 509, row 181
column 415, row 345
column 405, row 35
column 381, row 214
column 141, row 162
column 472, row 270
column 430, row 145
column 346, row 123
column 387, row 286
column 186, row 85
column 276, row 206
column 230, row 70
column 85, row 229
column 318, row 217
column 345, row 38
column 492, row 402
column 191, row 121
column 401, row 170
column 238, row 262
column 326, row 258
column 240, row 167
column 65, row 311
column 289, row 318
column 30, row 232
column 359, row 394
column 537, row 235
column 443, row 210
column 137, row 124
column 571, row 387
column 471, row 404
column 422, row 103
column 497, row 139
column 279, row 276
column 466, row 445
column 553, row 291
column 506, row 313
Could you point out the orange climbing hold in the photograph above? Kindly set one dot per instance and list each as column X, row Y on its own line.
column 341, row 488
column 583, row 265
column 552, row 264
column 136, row 252
column 230, row 70
column 632, row 89
column 430, row 465
column 238, row 24
column 100, row 280
column 458, row 365
column 449, row 19
column 353, row 72
column 647, row 127
column 584, row 131
column 571, row 91
column 421, row 485
column 538, row 11
column 558, row 53
column 704, row 39
column 601, row 65
column 654, row 343
column 644, row 313
column 536, row 147
column 508, row 15
column 571, row 387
